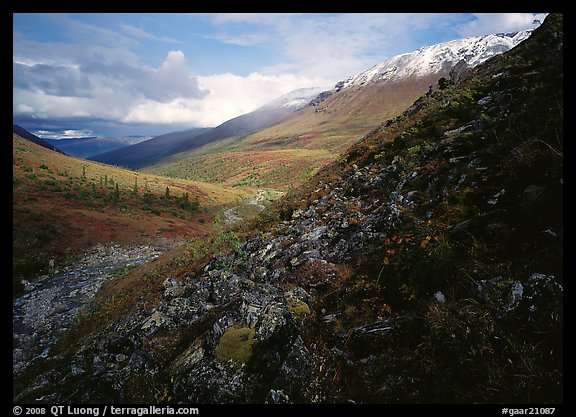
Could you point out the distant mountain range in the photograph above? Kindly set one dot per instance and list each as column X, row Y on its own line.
column 87, row 147
column 149, row 150
column 160, row 147
column 332, row 121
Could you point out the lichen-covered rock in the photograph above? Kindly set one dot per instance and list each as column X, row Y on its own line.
column 298, row 308
column 173, row 288
column 236, row 345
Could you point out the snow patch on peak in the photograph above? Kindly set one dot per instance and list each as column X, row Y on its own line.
column 436, row 58
column 294, row 100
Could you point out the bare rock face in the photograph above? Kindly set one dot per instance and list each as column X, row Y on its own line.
column 538, row 299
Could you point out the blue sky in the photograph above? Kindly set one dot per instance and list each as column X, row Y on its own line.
column 122, row 74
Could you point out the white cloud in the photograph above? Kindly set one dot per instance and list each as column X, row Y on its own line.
column 98, row 76
column 104, row 89
column 232, row 95
column 167, row 94
column 172, row 80
column 229, row 96
column 175, row 111
column 66, row 134
column 24, row 108
column 488, row 23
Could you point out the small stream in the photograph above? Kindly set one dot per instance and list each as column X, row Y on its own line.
column 46, row 309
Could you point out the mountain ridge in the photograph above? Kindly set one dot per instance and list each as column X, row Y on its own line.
column 437, row 58
column 20, row 131
column 151, row 151
column 331, row 122
column 141, row 153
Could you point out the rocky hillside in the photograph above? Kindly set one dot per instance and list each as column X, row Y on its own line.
column 425, row 266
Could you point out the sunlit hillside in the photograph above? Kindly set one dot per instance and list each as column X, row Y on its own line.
column 62, row 205
column 286, row 154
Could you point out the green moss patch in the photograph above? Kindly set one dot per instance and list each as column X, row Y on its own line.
column 236, row 344
column 298, row 307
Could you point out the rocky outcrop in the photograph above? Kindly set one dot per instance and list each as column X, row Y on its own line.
column 256, row 294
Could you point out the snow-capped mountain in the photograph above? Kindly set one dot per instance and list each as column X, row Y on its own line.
column 437, row 58
column 295, row 99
